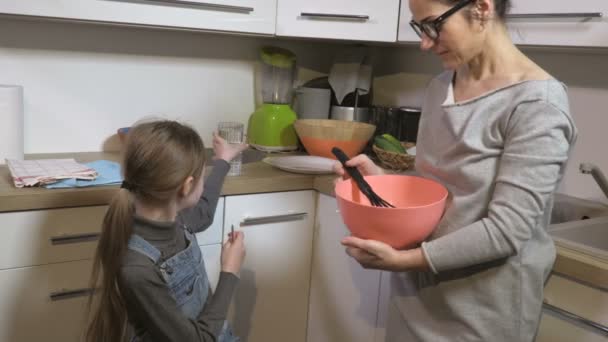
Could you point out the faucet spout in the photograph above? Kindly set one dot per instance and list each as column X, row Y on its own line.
column 600, row 179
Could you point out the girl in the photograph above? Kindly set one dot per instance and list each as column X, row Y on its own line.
column 148, row 267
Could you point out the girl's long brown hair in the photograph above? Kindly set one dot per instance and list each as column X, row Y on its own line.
column 158, row 158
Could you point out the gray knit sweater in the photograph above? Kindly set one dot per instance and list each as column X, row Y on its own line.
column 501, row 156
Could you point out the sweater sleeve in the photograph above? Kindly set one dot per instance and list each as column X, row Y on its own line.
column 200, row 217
column 536, row 148
column 149, row 302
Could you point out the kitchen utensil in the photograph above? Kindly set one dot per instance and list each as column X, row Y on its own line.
column 270, row 127
column 419, row 202
column 232, row 132
column 312, row 103
column 232, row 233
column 359, row 114
column 365, row 188
column 410, row 117
column 320, row 136
column 302, row 164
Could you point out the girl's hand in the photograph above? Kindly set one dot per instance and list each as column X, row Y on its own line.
column 362, row 162
column 223, row 150
column 378, row 255
column 233, row 253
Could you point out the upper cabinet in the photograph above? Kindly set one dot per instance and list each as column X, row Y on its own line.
column 581, row 23
column 339, row 19
column 406, row 33
column 247, row 16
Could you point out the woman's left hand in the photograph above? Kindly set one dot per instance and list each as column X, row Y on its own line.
column 378, row 255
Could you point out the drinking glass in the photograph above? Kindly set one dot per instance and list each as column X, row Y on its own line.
column 233, row 133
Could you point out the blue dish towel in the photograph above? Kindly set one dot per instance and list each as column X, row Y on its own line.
column 108, row 174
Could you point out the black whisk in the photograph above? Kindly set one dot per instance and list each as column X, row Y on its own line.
column 363, row 185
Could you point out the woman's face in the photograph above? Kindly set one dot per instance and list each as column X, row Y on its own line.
column 458, row 40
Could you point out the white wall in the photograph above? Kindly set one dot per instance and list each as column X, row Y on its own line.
column 82, row 81
column 405, row 69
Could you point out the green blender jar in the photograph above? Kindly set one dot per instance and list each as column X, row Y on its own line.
column 270, row 127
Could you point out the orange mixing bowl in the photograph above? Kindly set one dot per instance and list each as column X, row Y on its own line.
column 419, row 203
column 319, row 136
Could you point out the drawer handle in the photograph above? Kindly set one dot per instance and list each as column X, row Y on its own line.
column 335, row 16
column 584, row 15
column 254, row 221
column 206, row 5
column 68, row 294
column 576, row 318
column 76, row 238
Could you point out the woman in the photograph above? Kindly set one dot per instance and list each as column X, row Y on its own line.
column 496, row 131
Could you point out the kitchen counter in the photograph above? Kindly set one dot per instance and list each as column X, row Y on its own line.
column 256, row 177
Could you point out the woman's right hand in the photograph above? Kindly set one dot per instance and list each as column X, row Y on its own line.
column 233, row 253
column 362, row 162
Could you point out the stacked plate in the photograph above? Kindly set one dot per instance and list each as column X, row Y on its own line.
column 302, row 164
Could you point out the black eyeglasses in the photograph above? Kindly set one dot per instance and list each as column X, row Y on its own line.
column 431, row 28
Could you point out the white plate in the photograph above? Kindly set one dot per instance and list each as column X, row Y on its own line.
column 302, row 164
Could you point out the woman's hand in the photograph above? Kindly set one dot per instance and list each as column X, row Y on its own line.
column 223, row 150
column 362, row 162
column 233, row 253
column 378, row 255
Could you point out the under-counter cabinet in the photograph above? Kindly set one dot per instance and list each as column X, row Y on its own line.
column 45, row 265
column 339, row 19
column 343, row 296
column 210, row 242
column 271, row 303
column 247, row 16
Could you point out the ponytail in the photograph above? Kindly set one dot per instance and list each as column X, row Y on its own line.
column 106, row 308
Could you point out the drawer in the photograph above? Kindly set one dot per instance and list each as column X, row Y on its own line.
column 47, row 236
column 213, row 234
column 339, row 19
column 36, row 303
column 577, row 298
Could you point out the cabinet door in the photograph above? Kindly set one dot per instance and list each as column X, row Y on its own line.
column 559, row 23
column 271, row 302
column 44, row 303
column 45, row 236
column 343, row 295
column 339, row 19
column 212, row 255
column 251, row 16
column 213, row 234
column 406, row 33
column 557, row 328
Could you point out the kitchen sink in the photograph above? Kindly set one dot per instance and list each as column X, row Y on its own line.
column 569, row 208
column 580, row 224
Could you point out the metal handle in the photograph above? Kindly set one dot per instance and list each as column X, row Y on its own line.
column 206, row 5
column 572, row 15
column 68, row 294
column 335, row 16
column 253, row 221
column 76, row 238
column 576, row 318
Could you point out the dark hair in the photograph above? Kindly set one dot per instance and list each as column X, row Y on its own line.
column 501, row 7
column 158, row 157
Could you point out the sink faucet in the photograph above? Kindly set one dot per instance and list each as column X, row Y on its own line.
column 588, row 168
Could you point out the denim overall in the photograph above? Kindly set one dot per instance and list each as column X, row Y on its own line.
column 186, row 278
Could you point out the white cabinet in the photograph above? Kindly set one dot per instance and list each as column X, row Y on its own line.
column 560, row 23
column 406, row 33
column 271, row 301
column 250, row 16
column 568, row 299
column 213, row 234
column 339, row 19
column 212, row 255
column 343, row 295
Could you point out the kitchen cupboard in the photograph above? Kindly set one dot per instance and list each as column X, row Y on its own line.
column 210, row 242
column 339, row 19
column 582, row 23
column 343, row 295
column 247, row 16
column 406, row 34
column 571, row 309
column 271, row 302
